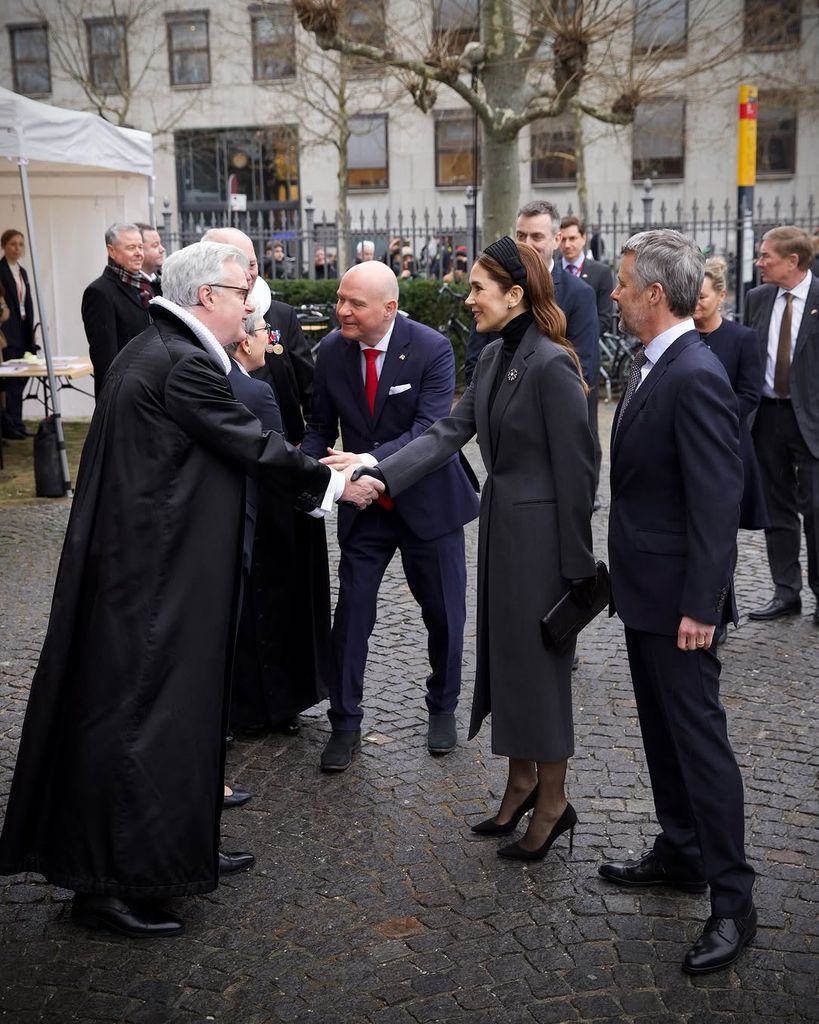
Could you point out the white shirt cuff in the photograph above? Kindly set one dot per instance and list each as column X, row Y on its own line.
column 335, row 488
column 368, row 459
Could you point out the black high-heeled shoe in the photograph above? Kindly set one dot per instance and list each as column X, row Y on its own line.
column 565, row 823
column 490, row 826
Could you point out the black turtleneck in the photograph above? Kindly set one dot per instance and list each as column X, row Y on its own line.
column 512, row 335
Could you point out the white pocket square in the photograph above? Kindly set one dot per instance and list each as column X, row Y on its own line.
column 399, row 388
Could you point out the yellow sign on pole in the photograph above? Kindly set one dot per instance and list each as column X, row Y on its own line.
column 746, row 153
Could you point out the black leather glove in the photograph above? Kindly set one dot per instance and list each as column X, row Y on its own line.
column 373, row 471
column 583, row 590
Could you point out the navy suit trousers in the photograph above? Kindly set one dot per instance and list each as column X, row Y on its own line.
column 697, row 785
column 436, row 574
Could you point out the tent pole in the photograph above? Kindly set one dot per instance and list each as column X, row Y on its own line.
column 152, row 200
column 52, row 379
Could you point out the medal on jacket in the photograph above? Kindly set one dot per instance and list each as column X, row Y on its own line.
column 275, row 345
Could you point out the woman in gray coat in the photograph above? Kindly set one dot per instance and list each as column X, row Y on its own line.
column 527, row 403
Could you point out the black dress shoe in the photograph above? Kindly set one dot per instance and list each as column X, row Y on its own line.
column 230, row 863
column 337, row 756
column 140, row 920
column 238, row 798
column 442, row 733
column 490, row 827
column 777, row 608
column 721, row 942
column 647, row 871
column 565, row 823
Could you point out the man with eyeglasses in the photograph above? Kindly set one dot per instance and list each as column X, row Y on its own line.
column 118, row 787
column 115, row 306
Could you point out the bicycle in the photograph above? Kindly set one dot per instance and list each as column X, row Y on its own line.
column 454, row 328
column 316, row 318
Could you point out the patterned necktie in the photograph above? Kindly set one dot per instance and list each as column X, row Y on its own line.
column 370, row 389
column 782, row 369
column 573, row 269
column 634, row 375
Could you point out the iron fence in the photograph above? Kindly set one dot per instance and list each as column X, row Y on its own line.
column 433, row 236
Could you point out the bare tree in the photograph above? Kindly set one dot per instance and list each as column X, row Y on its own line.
column 537, row 59
column 92, row 47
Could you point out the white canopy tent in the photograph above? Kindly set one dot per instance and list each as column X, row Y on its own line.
column 75, row 174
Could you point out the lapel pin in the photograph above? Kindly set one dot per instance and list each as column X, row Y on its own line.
column 402, row 357
column 813, row 312
column 512, row 375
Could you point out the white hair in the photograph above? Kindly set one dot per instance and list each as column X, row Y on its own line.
column 186, row 270
column 364, row 244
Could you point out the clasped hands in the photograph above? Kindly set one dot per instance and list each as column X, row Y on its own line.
column 361, row 492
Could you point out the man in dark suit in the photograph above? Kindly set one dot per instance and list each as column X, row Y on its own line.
column 537, row 225
column 115, row 306
column 288, row 365
column 153, row 256
column 784, row 312
column 597, row 276
column 676, row 485
column 385, row 379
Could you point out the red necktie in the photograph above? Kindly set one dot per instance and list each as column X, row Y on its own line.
column 370, row 389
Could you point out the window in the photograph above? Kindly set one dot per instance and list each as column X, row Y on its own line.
column 776, row 134
column 274, row 43
column 189, row 48
column 660, row 25
column 772, row 24
column 262, row 163
column 454, row 24
column 364, row 22
column 658, row 140
column 29, row 58
column 367, row 152
column 553, row 151
column 455, row 148
column 107, row 54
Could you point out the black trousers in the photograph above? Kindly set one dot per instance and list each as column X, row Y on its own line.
column 790, row 478
column 695, row 778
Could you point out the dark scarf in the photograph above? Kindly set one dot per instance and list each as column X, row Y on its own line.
column 138, row 281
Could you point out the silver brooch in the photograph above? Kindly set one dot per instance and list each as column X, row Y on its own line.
column 512, row 375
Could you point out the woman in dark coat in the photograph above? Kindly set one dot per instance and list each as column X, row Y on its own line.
column 527, row 403
column 737, row 348
column 18, row 328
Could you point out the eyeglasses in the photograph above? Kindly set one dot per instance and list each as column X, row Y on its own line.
column 233, row 288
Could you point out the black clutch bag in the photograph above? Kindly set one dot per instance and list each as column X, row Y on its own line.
column 561, row 625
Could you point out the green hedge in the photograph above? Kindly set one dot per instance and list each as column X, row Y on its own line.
column 419, row 298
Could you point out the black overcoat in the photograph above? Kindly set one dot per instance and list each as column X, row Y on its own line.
column 118, row 783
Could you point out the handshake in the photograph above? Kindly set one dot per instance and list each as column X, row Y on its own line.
column 362, row 486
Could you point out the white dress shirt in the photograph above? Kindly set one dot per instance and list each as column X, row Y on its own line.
column 800, row 297
column 655, row 348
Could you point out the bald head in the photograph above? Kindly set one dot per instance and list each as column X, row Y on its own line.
column 233, row 236
column 367, row 302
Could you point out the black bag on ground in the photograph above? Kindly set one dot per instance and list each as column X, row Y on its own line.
column 48, row 473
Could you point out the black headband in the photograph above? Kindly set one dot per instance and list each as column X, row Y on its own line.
column 506, row 252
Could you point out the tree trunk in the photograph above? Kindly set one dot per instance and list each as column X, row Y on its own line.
column 501, row 185
column 580, row 164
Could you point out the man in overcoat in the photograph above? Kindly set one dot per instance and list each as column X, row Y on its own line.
column 115, row 305
column 118, row 786
column 383, row 380
column 676, row 487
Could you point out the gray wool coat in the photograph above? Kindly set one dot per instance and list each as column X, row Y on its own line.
column 534, row 534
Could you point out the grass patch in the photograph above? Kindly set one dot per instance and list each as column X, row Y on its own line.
column 17, row 474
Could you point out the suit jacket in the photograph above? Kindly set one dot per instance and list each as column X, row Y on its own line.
column 415, row 388
column 19, row 333
column 113, row 313
column 676, row 487
column 289, row 373
column 578, row 303
column 598, row 276
column 737, row 348
column 805, row 364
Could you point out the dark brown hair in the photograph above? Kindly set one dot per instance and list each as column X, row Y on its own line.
column 539, row 297
column 573, row 222
column 8, row 235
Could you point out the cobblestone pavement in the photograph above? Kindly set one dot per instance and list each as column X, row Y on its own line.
column 372, row 902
